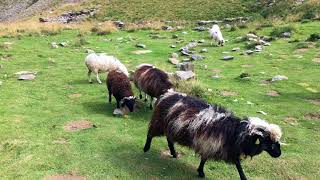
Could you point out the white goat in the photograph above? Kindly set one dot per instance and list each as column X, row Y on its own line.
column 97, row 63
column 216, row 34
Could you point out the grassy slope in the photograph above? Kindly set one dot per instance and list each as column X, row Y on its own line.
column 32, row 114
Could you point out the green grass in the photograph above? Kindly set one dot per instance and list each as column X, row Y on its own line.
column 33, row 113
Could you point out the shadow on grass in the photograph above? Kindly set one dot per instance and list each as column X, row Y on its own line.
column 150, row 165
column 83, row 81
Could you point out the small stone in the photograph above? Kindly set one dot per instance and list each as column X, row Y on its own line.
column 184, row 32
column 167, row 28
column 118, row 112
column 63, row 44
column 227, row 26
column 286, row 35
column 89, row 51
column 225, row 52
column 141, row 46
column 200, row 28
column 185, row 53
column 259, row 47
column 249, row 52
column 119, row 24
column 201, row 41
column 175, row 36
column 174, row 55
column 174, row 61
column 54, row 45
column 227, row 58
column 262, row 112
column 27, row 77
column 196, row 57
column 185, row 75
column 279, row 78
column 216, row 77
column 236, row 49
column 173, row 46
column 253, row 36
column 186, row 66
column 204, row 50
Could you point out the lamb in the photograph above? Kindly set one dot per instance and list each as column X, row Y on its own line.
column 213, row 132
column 152, row 81
column 119, row 86
column 216, row 34
column 98, row 63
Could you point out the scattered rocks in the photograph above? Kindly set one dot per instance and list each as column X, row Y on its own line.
column 69, row 17
column 186, row 66
column 236, row 49
column 204, row 50
column 26, row 75
column 78, row 125
column 273, row 93
column 141, row 46
column 184, row 75
column 138, row 52
column 227, row 58
column 195, row 57
column 279, row 78
column 54, row 45
column 200, row 28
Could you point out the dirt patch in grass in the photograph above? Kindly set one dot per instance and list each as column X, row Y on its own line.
column 314, row 101
column 291, row 120
column 301, row 50
column 317, row 60
column 166, row 154
column 247, row 65
column 78, row 125
column 273, row 93
column 228, row 93
column 64, row 177
column 313, row 116
column 72, row 96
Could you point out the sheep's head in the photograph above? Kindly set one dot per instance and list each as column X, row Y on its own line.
column 127, row 103
column 261, row 136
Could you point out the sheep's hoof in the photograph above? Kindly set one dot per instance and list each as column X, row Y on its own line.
column 201, row 174
column 140, row 96
column 146, row 148
column 90, row 82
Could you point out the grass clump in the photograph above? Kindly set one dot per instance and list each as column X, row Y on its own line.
column 192, row 88
column 278, row 31
column 314, row 37
column 302, row 45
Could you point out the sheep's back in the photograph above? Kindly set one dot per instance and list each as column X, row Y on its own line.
column 119, row 83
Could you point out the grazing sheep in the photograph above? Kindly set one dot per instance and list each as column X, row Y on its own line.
column 119, row 86
column 98, row 63
column 152, row 81
column 216, row 34
column 213, row 132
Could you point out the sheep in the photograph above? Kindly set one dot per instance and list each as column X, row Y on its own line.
column 97, row 63
column 152, row 81
column 213, row 132
column 216, row 34
column 119, row 86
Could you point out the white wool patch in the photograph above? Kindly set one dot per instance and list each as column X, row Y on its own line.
column 208, row 146
column 274, row 130
column 141, row 65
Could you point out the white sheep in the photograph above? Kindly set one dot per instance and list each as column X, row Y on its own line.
column 98, row 63
column 216, row 34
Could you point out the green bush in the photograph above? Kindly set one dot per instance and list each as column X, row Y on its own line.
column 314, row 37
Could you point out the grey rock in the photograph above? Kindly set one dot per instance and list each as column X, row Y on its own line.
column 204, row 50
column 174, row 55
column 141, row 46
column 250, row 35
column 286, row 35
column 54, row 45
column 201, row 41
column 195, row 57
column 279, row 78
column 119, row 24
column 175, row 36
column 184, row 75
column 249, row 52
column 185, row 53
column 167, row 28
column 173, row 46
column 200, row 28
column 26, row 75
column 227, row 58
column 174, row 61
column 258, row 47
column 236, row 49
column 186, row 66
column 63, row 44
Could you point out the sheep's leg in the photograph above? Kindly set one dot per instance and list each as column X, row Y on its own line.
column 240, row 171
column 89, row 76
column 151, row 100
column 98, row 79
column 110, row 94
column 200, row 168
column 145, row 97
column 148, row 144
column 171, row 148
column 118, row 104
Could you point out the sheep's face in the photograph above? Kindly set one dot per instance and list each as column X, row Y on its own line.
column 272, row 147
column 128, row 102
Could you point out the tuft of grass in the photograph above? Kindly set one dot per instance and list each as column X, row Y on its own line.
column 314, row 37
column 302, row 45
column 278, row 31
column 191, row 87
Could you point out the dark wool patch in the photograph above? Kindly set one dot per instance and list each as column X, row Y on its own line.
column 119, row 84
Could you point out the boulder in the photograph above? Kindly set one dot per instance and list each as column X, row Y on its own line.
column 184, row 75
column 227, row 58
column 186, row 66
column 195, row 57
